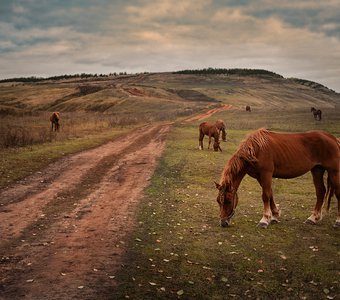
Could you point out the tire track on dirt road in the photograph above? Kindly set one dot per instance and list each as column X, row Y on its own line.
column 209, row 113
column 20, row 207
column 76, row 253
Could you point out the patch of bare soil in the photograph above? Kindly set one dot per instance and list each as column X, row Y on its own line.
column 62, row 229
column 209, row 113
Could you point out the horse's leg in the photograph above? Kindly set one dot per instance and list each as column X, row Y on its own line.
column 334, row 177
column 200, row 141
column 275, row 211
column 267, row 194
column 209, row 141
column 320, row 191
column 51, row 126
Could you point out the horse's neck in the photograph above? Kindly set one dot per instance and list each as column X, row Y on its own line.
column 236, row 172
column 237, row 179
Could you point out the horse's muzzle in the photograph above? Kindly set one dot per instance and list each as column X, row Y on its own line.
column 225, row 222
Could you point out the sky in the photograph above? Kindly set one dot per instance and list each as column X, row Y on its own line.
column 53, row 37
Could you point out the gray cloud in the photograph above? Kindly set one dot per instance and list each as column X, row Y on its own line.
column 46, row 38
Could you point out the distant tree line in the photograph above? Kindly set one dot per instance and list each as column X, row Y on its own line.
column 60, row 77
column 241, row 72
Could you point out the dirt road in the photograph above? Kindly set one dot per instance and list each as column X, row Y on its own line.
column 61, row 229
column 209, row 113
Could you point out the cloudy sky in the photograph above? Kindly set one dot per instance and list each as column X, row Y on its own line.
column 53, row 37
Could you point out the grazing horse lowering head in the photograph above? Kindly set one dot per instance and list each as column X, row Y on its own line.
column 265, row 154
column 227, row 199
column 210, row 130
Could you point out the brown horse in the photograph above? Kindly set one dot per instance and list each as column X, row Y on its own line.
column 221, row 128
column 210, row 130
column 265, row 154
column 248, row 108
column 54, row 118
column 316, row 113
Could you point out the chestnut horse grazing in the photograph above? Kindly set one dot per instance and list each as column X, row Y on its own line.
column 248, row 108
column 210, row 130
column 54, row 118
column 316, row 113
column 221, row 128
column 265, row 154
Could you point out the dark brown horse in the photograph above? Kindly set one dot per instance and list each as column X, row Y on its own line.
column 210, row 130
column 248, row 108
column 316, row 113
column 55, row 118
column 265, row 154
column 221, row 128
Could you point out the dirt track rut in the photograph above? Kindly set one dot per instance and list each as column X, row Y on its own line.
column 61, row 228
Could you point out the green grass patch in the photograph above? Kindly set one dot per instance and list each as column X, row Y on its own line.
column 16, row 163
column 178, row 249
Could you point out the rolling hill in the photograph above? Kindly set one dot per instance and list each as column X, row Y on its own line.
column 175, row 93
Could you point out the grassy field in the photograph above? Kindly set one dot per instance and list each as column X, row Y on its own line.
column 178, row 249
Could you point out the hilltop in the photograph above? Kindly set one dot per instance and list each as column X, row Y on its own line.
column 177, row 94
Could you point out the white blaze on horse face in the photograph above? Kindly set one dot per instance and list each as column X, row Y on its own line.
column 227, row 201
column 226, row 206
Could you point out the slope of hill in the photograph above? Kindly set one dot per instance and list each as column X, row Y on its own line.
column 172, row 92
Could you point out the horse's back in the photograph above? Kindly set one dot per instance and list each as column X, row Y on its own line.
column 206, row 128
column 306, row 149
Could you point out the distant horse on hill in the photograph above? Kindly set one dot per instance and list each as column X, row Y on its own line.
column 316, row 113
column 210, row 130
column 265, row 155
column 221, row 128
column 248, row 108
column 55, row 118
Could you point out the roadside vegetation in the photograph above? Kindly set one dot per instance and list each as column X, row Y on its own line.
column 178, row 249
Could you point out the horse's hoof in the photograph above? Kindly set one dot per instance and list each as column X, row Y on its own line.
column 262, row 225
column 337, row 225
column 273, row 221
column 310, row 222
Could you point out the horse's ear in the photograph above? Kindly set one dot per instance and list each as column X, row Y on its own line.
column 218, row 186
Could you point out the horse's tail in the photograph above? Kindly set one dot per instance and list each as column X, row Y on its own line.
column 329, row 193
column 330, row 190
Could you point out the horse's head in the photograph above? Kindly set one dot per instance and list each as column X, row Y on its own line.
column 227, row 199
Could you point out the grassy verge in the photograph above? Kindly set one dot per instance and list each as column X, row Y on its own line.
column 178, row 249
column 20, row 162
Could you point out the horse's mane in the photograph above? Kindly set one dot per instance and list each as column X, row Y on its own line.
column 247, row 152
